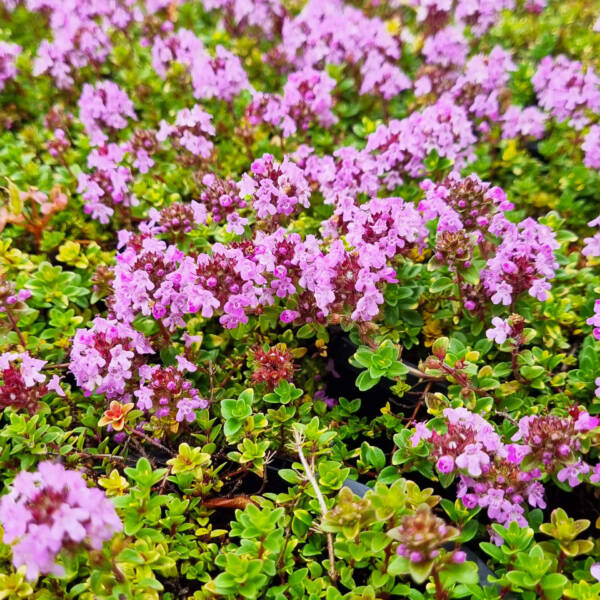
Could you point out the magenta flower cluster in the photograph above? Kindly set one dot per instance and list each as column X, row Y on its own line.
column 221, row 76
column 104, row 106
column 8, row 55
column 104, row 358
column 333, row 32
column 524, row 261
column 505, row 477
column 567, row 91
column 306, row 99
column 51, row 510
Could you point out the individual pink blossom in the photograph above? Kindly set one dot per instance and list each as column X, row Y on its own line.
column 571, row 473
column 500, row 332
column 472, row 460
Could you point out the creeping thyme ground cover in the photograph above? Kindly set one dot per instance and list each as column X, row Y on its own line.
column 299, row 299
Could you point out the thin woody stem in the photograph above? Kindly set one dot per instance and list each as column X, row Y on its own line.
column 147, row 439
column 15, row 327
column 298, row 440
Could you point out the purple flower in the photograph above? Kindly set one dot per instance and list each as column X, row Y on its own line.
column 103, row 357
column 566, row 91
column 421, row 433
column 525, row 122
column 571, row 473
column 500, row 332
column 446, row 48
column 472, row 460
column 183, row 364
column 585, row 422
column 288, row 316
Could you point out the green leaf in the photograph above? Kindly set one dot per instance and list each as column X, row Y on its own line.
column 365, row 382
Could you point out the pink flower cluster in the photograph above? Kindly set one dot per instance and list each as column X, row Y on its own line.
column 275, row 188
column 22, row 382
column 524, row 261
column 240, row 15
column 504, row 477
column 167, row 394
column 335, row 33
column 306, row 99
column 400, row 147
column 106, row 357
column 480, row 15
column 108, row 183
column 8, row 55
column 566, row 91
column 484, row 78
column 104, row 106
column 525, row 122
column 221, row 76
column 190, row 131
column 221, row 197
column 458, row 204
column 78, row 39
column 447, row 47
column 52, row 509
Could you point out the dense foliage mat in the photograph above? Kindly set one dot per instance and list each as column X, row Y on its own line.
column 299, row 299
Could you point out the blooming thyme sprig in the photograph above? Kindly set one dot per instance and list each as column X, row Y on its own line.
column 338, row 33
column 566, row 90
column 190, row 132
column 106, row 357
column 504, row 477
column 220, row 76
column 463, row 203
column 306, row 99
column 22, row 383
column 523, row 262
column 52, row 510
column 8, row 70
column 168, row 396
column 106, row 187
column 275, row 188
column 104, row 106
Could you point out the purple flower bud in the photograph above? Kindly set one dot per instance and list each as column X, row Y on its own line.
column 459, row 557
column 564, row 450
column 445, row 464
